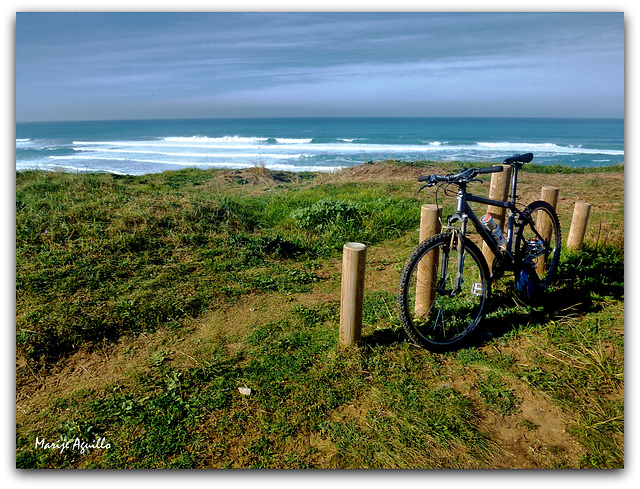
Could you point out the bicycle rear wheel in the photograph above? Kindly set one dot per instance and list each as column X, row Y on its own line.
column 539, row 242
column 438, row 311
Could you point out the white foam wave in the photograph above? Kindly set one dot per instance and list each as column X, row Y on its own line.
column 205, row 139
column 190, row 164
column 547, row 148
column 27, row 143
column 101, row 154
column 281, row 153
column 294, row 140
column 293, row 147
column 233, row 140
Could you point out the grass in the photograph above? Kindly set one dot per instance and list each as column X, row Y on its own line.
column 99, row 256
column 150, row 301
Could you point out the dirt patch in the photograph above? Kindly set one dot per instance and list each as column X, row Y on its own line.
column 535, row 437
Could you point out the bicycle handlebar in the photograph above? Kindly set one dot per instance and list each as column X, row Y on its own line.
column 466, row 175
column 491, row 169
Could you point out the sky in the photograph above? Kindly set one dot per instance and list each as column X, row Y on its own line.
column 96, row 66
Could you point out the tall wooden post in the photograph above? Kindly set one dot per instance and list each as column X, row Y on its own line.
column 550, row 194
column 543, row 223
column 499, row 190
column 578, row 228
column 430, row 225
column 352, row 293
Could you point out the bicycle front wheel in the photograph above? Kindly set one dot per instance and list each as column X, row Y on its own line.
column 442, row 292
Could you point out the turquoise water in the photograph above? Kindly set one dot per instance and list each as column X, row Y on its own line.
column 140, row 147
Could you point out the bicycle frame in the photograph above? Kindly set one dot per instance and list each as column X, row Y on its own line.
column 464, row 213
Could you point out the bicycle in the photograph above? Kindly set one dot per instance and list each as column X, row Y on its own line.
column 445, row 285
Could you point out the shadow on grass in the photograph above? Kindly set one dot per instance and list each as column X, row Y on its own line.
column 585, row 280
column 384, row 337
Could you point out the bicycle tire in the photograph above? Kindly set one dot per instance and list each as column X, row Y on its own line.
column 547, row 263
column 434, row 315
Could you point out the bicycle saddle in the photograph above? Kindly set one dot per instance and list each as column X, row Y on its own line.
column 519, row 160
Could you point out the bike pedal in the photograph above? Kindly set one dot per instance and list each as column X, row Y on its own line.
column 477, row 289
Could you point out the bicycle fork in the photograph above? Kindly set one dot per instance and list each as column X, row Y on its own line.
column 457, row 242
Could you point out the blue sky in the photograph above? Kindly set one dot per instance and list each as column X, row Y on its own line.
column 87, row 66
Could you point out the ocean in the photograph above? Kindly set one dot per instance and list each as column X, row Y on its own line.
column 314, row 144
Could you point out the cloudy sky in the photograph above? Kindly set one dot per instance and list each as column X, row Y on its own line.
column 87, row 66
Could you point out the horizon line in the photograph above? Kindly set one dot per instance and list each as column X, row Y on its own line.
column 311, row 117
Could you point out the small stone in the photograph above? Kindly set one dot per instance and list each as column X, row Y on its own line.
column 245, row 391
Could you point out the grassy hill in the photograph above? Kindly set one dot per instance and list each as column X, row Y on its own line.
column 144, row 303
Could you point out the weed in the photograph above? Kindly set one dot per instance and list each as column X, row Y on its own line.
column 530, row 426
column 497, row 396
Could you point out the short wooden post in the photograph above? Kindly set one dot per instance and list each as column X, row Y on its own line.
column 578, row 228
column 430, row 215
column 499, row 190
column 430, row 225
column 543, row 223
column 351, row 298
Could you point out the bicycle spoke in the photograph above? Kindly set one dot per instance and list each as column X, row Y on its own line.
column 444, row 310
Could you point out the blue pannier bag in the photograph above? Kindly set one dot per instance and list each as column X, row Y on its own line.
column 527, row 282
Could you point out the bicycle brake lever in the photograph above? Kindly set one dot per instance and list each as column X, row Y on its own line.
column 423, row 187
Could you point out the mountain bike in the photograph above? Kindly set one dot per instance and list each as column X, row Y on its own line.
column 445, row 286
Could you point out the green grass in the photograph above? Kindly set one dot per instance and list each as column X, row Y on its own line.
column 105, row 260
column 101, row 256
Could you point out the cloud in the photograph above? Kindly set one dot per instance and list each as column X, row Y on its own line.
column 336, row 60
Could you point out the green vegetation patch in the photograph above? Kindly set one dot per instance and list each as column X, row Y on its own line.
column 101, row 256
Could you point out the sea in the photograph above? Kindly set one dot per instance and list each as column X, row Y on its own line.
column 137, row 147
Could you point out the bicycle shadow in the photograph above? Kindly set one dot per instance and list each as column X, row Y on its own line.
column 585, row 281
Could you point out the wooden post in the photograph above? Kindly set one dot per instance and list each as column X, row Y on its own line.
column 430, row 215
column 550, row 194
column 351, row 298
column 543, row 223
column 499, row 190
column 578, row 225
column 430, row 225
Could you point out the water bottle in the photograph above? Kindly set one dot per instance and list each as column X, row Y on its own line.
column 491, row 226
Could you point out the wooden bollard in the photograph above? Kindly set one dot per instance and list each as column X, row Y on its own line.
column 430, row 225
column 543, row 223
column 430, row 215
column 578, row 228
column 499, row 190
column 352, row 294
column 550, row 194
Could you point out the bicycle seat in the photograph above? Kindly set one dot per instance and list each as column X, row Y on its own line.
column 519, row 160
